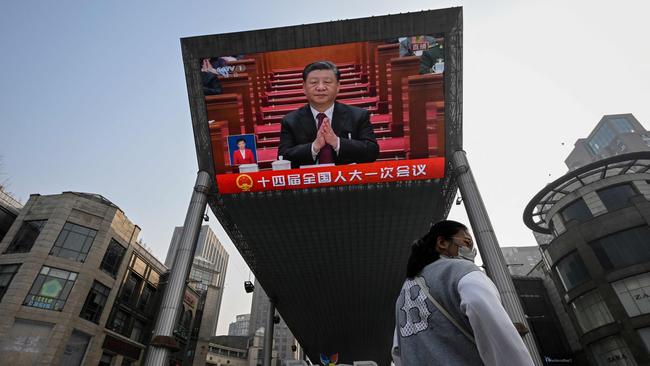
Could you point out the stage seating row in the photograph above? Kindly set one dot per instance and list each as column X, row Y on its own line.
column 255, row 102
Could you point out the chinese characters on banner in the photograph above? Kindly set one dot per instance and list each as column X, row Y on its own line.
column 325, row 176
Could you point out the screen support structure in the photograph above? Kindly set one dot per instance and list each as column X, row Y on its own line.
column 268, row 334
column 495, row 264
column 172, row 302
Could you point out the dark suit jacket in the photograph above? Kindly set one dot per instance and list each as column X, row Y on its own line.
column 351, row 125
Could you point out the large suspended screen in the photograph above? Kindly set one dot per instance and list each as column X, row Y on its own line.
column 383, row 115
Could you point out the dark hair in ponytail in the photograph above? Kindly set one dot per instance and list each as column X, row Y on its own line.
column 423, row 250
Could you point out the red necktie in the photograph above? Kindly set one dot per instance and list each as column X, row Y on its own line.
column 326, row 154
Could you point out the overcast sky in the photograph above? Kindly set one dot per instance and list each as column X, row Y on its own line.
column 93, row 98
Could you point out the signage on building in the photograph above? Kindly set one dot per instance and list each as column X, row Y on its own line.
column 52, row 288
column 325, row 176
column 41, row 302
column 189, row 299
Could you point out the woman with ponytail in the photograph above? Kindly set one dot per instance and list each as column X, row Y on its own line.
column 448, row 311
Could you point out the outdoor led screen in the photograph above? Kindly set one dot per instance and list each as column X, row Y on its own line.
column 401, row 79
column 389, row 115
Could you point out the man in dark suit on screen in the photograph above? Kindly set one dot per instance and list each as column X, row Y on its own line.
column 325, row 131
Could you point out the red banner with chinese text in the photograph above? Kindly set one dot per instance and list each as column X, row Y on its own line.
column 326, row 176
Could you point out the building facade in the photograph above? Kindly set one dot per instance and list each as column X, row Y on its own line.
column 239, row 351
column 544, row 324
column 283, row 340
column 208, row 267
column 613, row 135
column 598, row 217
column 9, row 210
column 207, row 276
column 521, row 260
column 228, row 351
column 557, row 305
column 240, row 326
column 76, row 287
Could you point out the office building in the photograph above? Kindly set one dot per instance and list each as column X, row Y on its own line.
column 239, row 351
column 240, row 326
column 521, row 260
column 544, row 324
column 283, row 340
column 207, row 276
column 598, row 215
column 75, row 285
column 614, row 135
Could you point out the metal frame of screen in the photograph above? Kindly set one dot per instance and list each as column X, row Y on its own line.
column 448, row 21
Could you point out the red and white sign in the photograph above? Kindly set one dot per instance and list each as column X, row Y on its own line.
column 326, row 176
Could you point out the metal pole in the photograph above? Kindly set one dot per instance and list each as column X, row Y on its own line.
column 171, row 305
column 268, row 335
column 488, row 245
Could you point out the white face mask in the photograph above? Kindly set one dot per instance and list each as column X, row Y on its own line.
column 466, row 252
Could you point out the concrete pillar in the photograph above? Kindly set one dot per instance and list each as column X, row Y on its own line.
column 268, row 335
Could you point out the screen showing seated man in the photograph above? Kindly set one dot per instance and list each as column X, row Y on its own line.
column 366, row 102
column 325, row 131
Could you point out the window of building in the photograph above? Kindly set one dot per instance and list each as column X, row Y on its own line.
column 7, row 272
column 601, row 138
column 106, row 359
column 187, row 320
column 621, row 125
column 572, row 271
column 616, row 197
column 591, row 311
column 26, row 236
column 75, row 349
column 137, row 331
column 612, row 351
column 95, row 302
column 634, row 293
column 183, row 327
column 130, row 289
column 120, row 322
column 51, row 289
column 145, row 298
column 113, row 258
column 139, row 266
column 154, row 277
column 74, row 242
column 624, row 248
column 576, row 210
column 534, row 307
column 644, row 333
column 606, row 133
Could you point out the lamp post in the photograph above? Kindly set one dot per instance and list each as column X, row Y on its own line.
column 171, row 305
column 486, row 240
